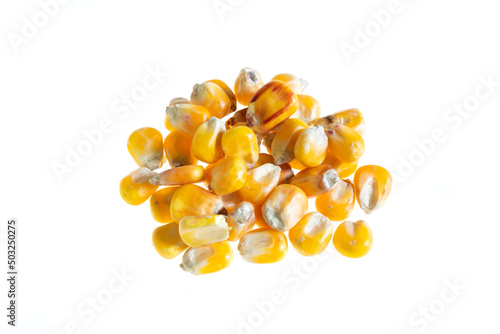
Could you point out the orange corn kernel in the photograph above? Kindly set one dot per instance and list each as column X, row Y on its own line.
column 297, row 165
column 312, row 234
column 145, row 145
column 298, row 85
column 212, row 97
column 315, row 181
column 263, row 245
column 259, row 183
column 353, row 239
column 231, row 201
column 238, row 117
column 192, row 200
column 241, row 142
column 186, row 118
column 283, row 143
column 346, row 144
column 179, row 176
column 351, row 118
column 228, row 91
column 173, row 102
column 270, row 106
column 167, row 241
column 240, row 220
column 208, row 175
column 207, row 259
column 259, row 218
column 207, row 141
column 178, row 150
column 198, row 231
column 344, row 169
column 247, row 84
column 160, row 204
column 338, row 203
column 373, row 185
column 310, row 148
column 284, row 207
column 135, row 188
column 228, row 175
column 309, row 108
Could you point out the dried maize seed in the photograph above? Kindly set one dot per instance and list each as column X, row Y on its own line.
column 284, row 207
column 145, row 145
column 270, row 106
column 173, row 102
column 197, row 231
column 231, row 201
column 353, row 239
column 298, row 85
column 309, row 108
column 212, row 97
column 259, row 183
column 192, row 200
column 228, row 175
column 344, row 169
column 207, row 259
column 267, row 140
column 315, row 181
column 259, row 218
column 310, row 148
column 297, row 165
column 208, row 175
column 264, row 158
column 312, row 234
column 178, row 150
column 286, row 174
column 207, row 146
column 227, row 90
column 135, row 189
column 338, row 203
column 186, row 118
column 373, row 185
column 346, row 144
column 351, row 118
column 160, row 204
column 179, row 176
column 283, row 143
column 241, row 142
column 247, row 84
column 167, row 241
column 240, row 220
column 263, row 245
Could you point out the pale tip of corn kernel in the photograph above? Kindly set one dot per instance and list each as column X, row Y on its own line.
column 283, row 159
column 142, row 175
column 153, row 164
column 155, row 180
column 274, row 220
column 303, row 84
column 330, row 178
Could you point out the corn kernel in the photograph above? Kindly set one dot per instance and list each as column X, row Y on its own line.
column 240, row 220
column 286, row 174
column 207, row 259
column 238, row 117
column 247, row 84
column 259, row 218
column 241, row 142
column 192, row 200
column 344, row 169
column 315, row 181
column 186, row 118
column 212, row 97
column 228, row 175
column 207, row 141
column 208, row 175
column 178, row 150
column 353, row 239
column 267, row 140
column 263, row 245
column 145, row 145
column 179, row 176
column 228, row 91
column 284, row 207
column 173, row 102
column 311, row 145
column 270, row 106
column 338, row 203
column 351, row 118
column 160, row 204
column 197, row 231
column 231, row 201
column 373, row 185
column 346, row 144
column 312, row 234
column 298, row 85
column 167, row 241
column 283, row 143
column 297, row 165
column 309, row 108
column 259, row 183
column 264, row 158
column 135, row 188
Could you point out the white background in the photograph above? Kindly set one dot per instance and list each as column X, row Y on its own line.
column 440, row 225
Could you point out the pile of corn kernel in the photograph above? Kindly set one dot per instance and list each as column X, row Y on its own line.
column 250, row 196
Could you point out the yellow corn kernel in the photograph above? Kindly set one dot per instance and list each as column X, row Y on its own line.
column 259, row 183
column 284, row 207
column 315, row 181
column 231, row 201
column 240, row 220
column 270, row 106
column 207, row 146
column 264, row 158
column 192, row 200
column 173, row 102
column 346, row 144
column 145, row 145
column 353, row 239
column 309, row 108
column 351, row 118
column 207, row 259
column 263, row 245
column 178, row 150
column 241, row 142
column 197, row 231
column 298, row 85
column 238, row 117
column 135, row 188
column 283, row 143
column 227, row 90
column 160, row 204
column 228, row 175
column 312, row 234
column 208, row 175
column 212, row 97
column 179, row 176
column 344, row 169
column 167, row 241
column 247, row 84
column 373, row 185
column 186, row 118
column 297, row 165
column 338, row 203
column 259, row 218
column 310, row 148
